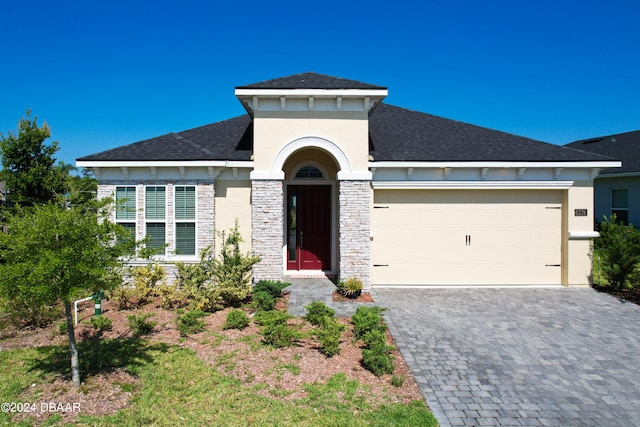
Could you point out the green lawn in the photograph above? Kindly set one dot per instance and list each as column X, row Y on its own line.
column 175, row 387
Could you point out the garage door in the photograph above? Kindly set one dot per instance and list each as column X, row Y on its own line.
column 466, row 237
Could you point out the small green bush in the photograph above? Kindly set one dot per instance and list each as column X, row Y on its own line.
column 350, row 288
column 191, row 322
column 329, row 336
column 274, row 287
column 171, row 297
column 272, row 317
column 101, row 323
column 264, row 301
column 63, row 328
column 367, row 319
column 140, row 325
column 317, row 311
column 619, row 247
column 376, row 362
column 236, row 319
column 397, row 381
column 275, row 330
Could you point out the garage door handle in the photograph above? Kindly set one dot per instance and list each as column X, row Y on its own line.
column 552, row 265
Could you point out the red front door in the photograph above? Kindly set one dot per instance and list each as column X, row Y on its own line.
column 309, row 227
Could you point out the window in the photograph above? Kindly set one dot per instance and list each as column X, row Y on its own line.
column 620, row 204
column 185, row 215
column 126, row 208
column 309, row 172
column 154, row 214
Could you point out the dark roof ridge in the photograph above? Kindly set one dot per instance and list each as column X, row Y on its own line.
column 310, row 80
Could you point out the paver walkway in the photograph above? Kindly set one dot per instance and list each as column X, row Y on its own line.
column 306, row 291
column 560, row 356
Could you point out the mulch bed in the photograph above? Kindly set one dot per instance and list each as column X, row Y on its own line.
column 631, row 295
column 363, row 297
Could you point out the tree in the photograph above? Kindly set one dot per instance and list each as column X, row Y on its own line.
column 55, row 254
column 619, row 247
column 28, row 164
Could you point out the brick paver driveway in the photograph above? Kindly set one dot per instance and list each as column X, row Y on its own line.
column 554, row 356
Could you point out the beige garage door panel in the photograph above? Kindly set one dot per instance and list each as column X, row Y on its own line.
column 420, row 237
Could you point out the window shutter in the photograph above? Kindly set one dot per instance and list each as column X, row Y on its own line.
column 125, row 203
column 185, row 238
column 155, row 203
column 185, row 202
column 156, row 234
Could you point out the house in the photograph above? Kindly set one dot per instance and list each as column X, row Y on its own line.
column 325, row 178
column 617, row 190
column 3, row 193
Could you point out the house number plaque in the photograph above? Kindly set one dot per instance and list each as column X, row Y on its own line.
column 580, row 212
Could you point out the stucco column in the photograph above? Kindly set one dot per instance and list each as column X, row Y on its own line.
column 354, row 230
column 267, row 220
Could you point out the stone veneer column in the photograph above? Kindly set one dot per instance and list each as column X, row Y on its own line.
column 355, row 230
column 267, row 221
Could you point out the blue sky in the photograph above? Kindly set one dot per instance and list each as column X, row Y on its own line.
column 104, row 74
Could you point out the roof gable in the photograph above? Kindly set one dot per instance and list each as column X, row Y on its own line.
column 621, row 146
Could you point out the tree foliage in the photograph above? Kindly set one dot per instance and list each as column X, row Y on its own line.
column 55, row 254
column 619, row 247
column 28, row 164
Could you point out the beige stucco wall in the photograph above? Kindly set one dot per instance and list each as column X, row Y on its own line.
column 578, row 259
column 233, row 200
column 348, row 130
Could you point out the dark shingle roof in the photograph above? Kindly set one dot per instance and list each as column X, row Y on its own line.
column 310, row 81
column 621, row 146
column 227, row 140
column 398, row 134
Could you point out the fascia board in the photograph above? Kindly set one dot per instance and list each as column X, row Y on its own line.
column 312, row 92
column 595, row 164
column 463, row 185
column 164, row 164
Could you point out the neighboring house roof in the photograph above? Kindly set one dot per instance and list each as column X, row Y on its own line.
column 620, row 146
column 310, row 81
column 396, row 134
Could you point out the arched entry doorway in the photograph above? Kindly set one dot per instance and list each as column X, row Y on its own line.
column 310, row 211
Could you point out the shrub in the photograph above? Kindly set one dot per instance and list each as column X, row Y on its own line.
column 376, row 362
column 329, row 335
column 397, row 381
column 171, row 297
column 191, row 322
column 264, row 318
column 63, row 328
column 236, row 319
column 215, row 283
column 350, row 288
column 274, row 287
column 317, row 311
column 264, row 301
column 619, row 246
column 24, row 310
column 140, row 325
column 101, row 323
column 367, row 319
column 275, row 330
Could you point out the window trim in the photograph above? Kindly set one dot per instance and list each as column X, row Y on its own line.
column 193, row 221
column 614, row 209
column 127, row 222
column 154, row 220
